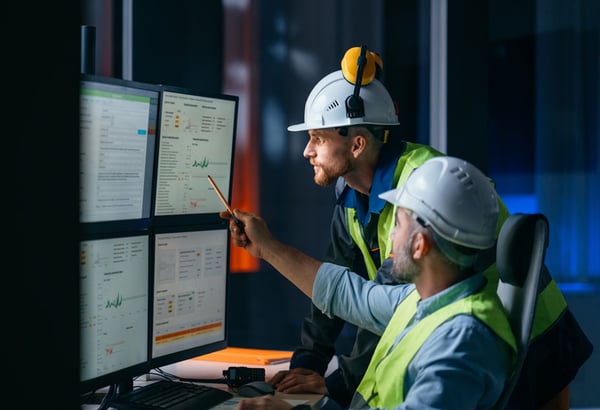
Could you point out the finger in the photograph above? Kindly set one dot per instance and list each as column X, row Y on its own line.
column 277, row 377
column 290, row 380
column 296, row 388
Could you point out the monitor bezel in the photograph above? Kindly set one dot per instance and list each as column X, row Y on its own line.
column 181, row 355
column 121, row 225
column 202, row 217
column 124, row 375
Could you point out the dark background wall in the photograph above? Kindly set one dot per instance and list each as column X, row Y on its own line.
column 40, row 249
column 167, row 38
column 42, row 63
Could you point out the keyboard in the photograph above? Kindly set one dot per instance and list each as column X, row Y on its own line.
column 171, row 395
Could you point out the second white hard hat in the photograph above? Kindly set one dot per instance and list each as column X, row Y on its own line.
column 453, row 197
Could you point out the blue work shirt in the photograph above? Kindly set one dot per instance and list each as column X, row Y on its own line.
column 383, row 178
column 462, row 365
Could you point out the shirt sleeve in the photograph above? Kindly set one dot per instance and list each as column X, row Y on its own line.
column 339, row 292
column 320, row 332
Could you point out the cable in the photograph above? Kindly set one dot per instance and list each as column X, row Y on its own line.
column 108, row 398
column 167, row 375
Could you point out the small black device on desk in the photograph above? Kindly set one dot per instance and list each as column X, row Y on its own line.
column 236, row 376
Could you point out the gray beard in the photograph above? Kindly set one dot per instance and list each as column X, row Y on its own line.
column 405, row 269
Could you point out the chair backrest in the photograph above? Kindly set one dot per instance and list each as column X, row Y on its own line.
column 520, row 254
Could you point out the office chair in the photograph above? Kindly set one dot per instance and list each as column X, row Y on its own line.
column 520, row 254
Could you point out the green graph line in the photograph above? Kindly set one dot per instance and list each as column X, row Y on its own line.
column 118, row 301
column 202, row 164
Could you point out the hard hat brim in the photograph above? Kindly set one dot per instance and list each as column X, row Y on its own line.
column 351, row 122
column 298, row 127
column 392, row 196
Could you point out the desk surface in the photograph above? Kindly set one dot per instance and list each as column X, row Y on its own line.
column 199, row 369
column 209, row 370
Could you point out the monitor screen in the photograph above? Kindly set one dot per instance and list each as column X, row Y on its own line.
column 118, row 126
column 189, row 292
column 114, row 309
column 197, row 139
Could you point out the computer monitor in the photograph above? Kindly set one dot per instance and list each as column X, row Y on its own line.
column 196, row 139
column 154, row 254
column 114, row 309
column 189, row 291
column 118, row 132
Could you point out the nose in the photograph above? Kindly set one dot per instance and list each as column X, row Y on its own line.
column 308, row 151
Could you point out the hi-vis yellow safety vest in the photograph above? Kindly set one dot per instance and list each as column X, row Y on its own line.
column 550, row 304
column 383, row 383
column 413, row 156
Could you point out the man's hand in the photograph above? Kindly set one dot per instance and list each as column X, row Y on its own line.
column 258, row 241
column 299, row 381
column 253, row 236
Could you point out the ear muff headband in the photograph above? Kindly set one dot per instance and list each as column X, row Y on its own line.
column 355, row 107
column 359, row 67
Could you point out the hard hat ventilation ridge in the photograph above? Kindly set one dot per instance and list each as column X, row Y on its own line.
column 333, row 105
column 462, row 176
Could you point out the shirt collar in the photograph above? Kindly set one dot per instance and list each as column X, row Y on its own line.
column 383, row 179
column 459, row 290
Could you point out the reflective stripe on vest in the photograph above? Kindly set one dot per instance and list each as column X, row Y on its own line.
column 383, row 383
column 413, row 156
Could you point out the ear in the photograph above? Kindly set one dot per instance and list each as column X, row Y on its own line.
column 420, row 246
column 359, row 142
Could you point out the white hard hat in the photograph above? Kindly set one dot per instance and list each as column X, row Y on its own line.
column 326, row 105
column 453, row 197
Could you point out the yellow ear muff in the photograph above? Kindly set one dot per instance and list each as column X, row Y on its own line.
column 378, row 63
column 372, row 68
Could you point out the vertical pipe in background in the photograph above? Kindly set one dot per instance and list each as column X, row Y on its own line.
column 88, row 49
column 127, row 40
column 438, row 75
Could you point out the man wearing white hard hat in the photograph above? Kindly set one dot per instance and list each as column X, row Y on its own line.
column 445, row 340
column 349, row 116
column 350, row 144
